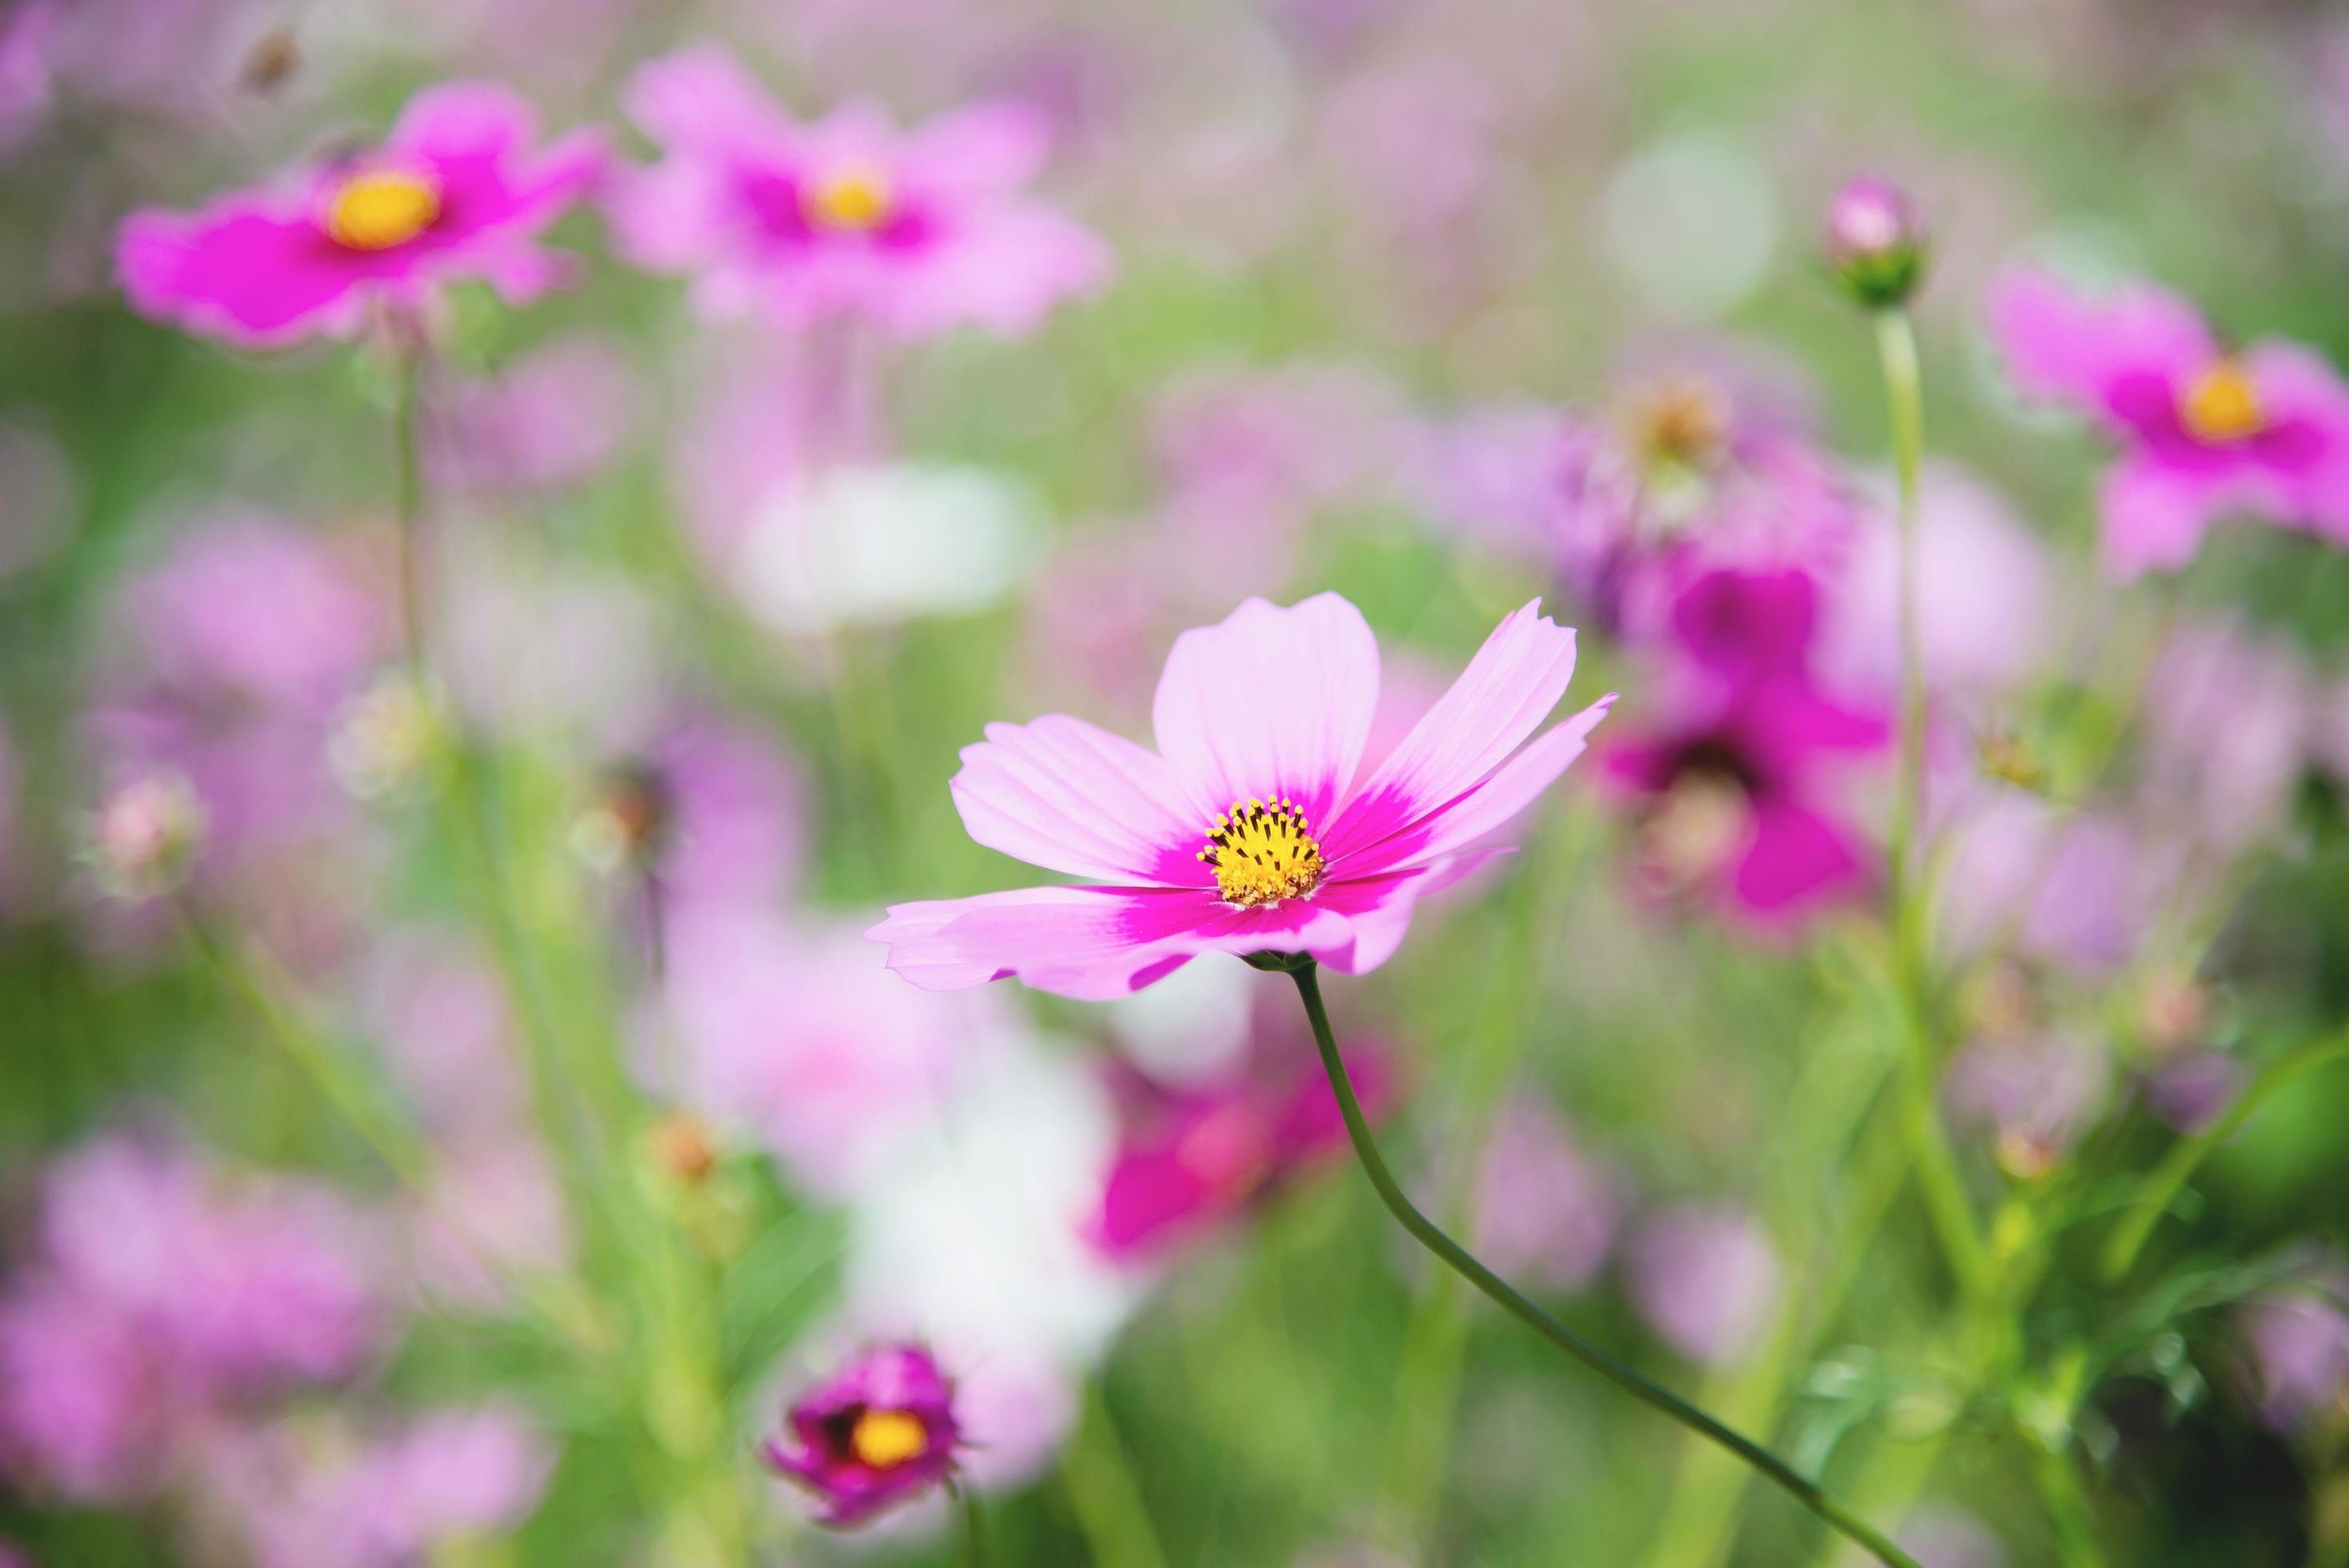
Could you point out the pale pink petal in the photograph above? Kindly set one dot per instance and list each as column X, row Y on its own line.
column 986, row 149
column 2154, row 516
column 701, row 99
column 1488, row 807
column 1065, row 795
column 2063, row 346
column 1269, row 702
column 1507, row 689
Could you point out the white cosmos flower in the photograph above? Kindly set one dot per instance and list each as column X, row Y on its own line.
column 888, row 543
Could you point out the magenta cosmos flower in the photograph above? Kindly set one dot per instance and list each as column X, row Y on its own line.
column 1248, row 829
column 457, row 191
column 914, row 231
column 2205, row 430
column 878, row 1431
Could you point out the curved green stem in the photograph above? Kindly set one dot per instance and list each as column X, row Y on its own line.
column 2161, row 1188
column 1804, row 1490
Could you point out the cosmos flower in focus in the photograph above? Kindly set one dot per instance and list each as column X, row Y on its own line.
column 914, row 230
column 880, row 1430
column 457, row 189
column 1193, row 1158
column 2205, row 430
column 1738, row 783
column 1253, row 828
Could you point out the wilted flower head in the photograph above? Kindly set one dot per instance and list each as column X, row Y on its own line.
column 1252, row 828
column 1875, row 241
column 146, row 836
column 456, row 190
column 913, row 230
column 2205, row 430
column 880, row 1430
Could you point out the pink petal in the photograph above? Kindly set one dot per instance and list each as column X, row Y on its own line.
column 2063, row 346
column 1269, row 702
column 1063, row 794
column 2153, row 515
column 1490, row 805
column 986, row 149
column 1507, row 689
column 464, row 121
column 1798, row 860
column 238, row 271
column 1092, row 944
column 701, row 99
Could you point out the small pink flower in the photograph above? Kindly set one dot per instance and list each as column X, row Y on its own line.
column 2204, row 431
column 1190, row 1159
column 1706, row 1279
column 457, row 191
column 1739, row 786
column 1247, row 830
column 914, row 231
column 880, row 1430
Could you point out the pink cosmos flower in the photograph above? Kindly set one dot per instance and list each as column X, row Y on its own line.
column 1705, row 1278
column 914, row 230
column 457, row 191
column 1738, row 787
column 2204, row 431
column 878, row 1431
column 1192, row 1159
column 1253, row 828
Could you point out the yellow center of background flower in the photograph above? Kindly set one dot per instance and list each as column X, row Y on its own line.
column 378, row 211
column 1681, row 422
column 885, row 1437
column 1262, row 853
column 2223, row 405
column 854, row 199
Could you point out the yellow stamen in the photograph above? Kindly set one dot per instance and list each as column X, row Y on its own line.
column 2223, row 405
column 381, row 209
column 855, row 197
column 1262, row 853
column 885, row 1437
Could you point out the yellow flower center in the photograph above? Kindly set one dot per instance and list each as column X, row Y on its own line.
column 854, row 199
column 885, row 1437
column 1262, row 853
column 381, row 209
column 2223, row 405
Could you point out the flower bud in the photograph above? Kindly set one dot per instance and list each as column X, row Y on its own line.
column 146, row 836
column 1875, row 242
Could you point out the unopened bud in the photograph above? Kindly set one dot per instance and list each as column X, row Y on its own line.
column 146, row 836
column 1875, row 241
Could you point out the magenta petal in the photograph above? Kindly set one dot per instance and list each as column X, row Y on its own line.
column 1269, row 702
column 1507, row 689
column 1377, row 909
column 238, row 271
column 1065, row 795
column 1090, row 942
column 2064, row 347
column 1798, row 860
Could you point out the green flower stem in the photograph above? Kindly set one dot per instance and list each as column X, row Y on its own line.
column 2162, row 1186
column 2068, row 1510
column 1103, row 1491
column 1304, row 972
column 974, row 1525
column 1939, row 1177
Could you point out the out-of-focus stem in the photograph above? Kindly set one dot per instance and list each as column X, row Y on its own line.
column 1102, row 1490
column 974, row 1525
column 2162, row 1186
column 407, row 492
column 2068, row 1511
column 1939, row 1178
column 1804, row 1490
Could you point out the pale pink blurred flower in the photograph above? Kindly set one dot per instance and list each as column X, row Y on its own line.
column 803, row 1039
column 82, row 1409
column 536, row 646
column 226, row 661
column 2195, row 1090
column 1940, row 1536
column 26, row 89
column 2076, row 889
column 2229, row 717
column 705, row 811
column 1706, row 1279
column 911, row 230
column 495, row 1207
column 2299, row 1339
column 2035, row 1095
column 1986, row 592
column 555, row 416
column 440, row 1012
column 385, row 1499
column 1546, row 1210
